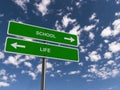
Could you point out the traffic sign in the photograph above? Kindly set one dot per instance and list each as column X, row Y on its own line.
column 36, row 32
column 41, row 49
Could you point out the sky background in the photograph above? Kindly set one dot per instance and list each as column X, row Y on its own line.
column 96, row 22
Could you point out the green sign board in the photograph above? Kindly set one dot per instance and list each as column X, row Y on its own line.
column 40, row 49
column 35, row 32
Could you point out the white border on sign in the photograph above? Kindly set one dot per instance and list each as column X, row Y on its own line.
column 42, row 39
column 41, row 56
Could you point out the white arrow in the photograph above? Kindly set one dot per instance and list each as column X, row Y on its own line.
column 15, row 45
column 70, row 39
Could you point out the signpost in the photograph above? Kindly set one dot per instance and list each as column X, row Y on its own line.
column 35, row 32
column 41, row 49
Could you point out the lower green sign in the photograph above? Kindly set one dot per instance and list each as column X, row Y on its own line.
column 41, row 49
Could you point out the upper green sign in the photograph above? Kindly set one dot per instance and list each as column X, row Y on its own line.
column 41, row 49
column 31, row 31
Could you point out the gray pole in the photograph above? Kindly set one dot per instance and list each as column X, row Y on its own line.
column 43, row 74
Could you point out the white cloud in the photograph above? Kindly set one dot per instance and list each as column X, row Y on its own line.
column 2, row 72
column 110, row 69
column 74, row 72
column 114, row 72
column 48, row 66
column 108, row 55
column 22, row 3
column 92, row 69
column 42, row 6
column 39, row 68
column 117, row 1
column 110, row 88
column 17, row 60
column 68, row 8
column 66, row 21
column 108, row 31
column 11, row 60
column 97, row 21
column 2, row 56
column 89, row 28
column 94, row 19
column 111, row 62
column 106, row 41
column 114, row 47
column 32, row 74
column 28, row 64
column 1, row 15
column 83, row 49
column 58, row 26
column 17, row 20
column 117, row 14
column 80, row 63
column 86, row 58
column 75, row 30
column 91, row 35
column 100, row 45
column 89, row 80
column 23, row 72
column 116, row 25
column 13, row 77
column 67, row 63
column 87, row 76
column 117, row 57
column 98, row 72
column 59, row 71
column 4, row 84
column 52, row 75
column 93, row 16
column 4, row 78
column 29, row 57
column 94, row 56
column 78, row 4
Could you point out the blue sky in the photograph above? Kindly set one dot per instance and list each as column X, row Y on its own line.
column 96, row 22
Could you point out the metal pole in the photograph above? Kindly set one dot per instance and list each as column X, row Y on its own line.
column 43, row 74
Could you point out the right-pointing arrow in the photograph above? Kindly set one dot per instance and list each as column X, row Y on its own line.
column 70, row 39
column 15, row 45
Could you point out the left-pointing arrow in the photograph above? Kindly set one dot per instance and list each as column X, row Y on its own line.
column 15, row 45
